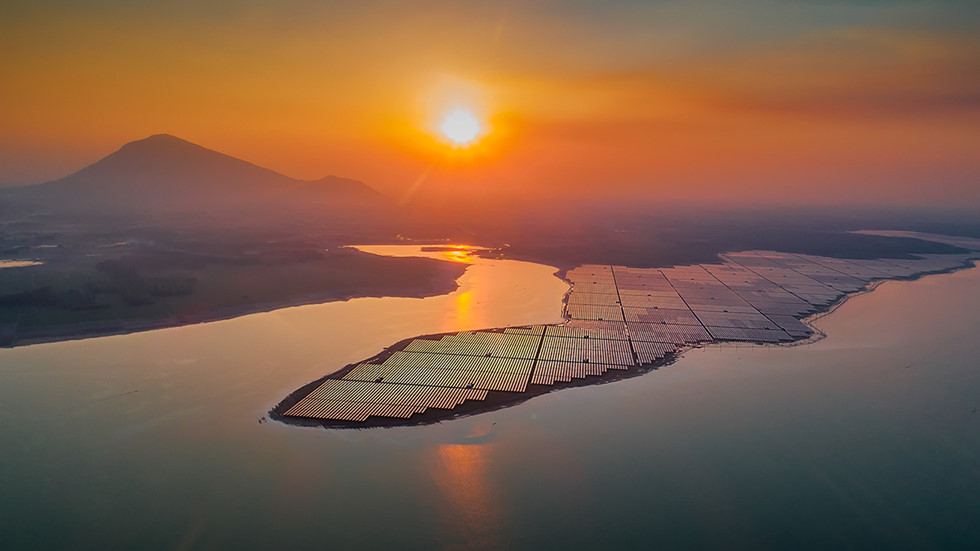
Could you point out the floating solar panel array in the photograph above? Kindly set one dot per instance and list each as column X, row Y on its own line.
column 356, row 400
column 755, row 296
column 618, row 318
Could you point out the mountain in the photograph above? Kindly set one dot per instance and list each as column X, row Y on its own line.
column 163, row 174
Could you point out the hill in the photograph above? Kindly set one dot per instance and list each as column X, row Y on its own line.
column 163, row 174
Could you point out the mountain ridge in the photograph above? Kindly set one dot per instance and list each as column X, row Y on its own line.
column 165, row 173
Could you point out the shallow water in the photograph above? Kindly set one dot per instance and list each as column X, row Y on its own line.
column 869, row 437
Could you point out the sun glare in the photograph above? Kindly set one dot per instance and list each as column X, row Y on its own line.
column 460, row 126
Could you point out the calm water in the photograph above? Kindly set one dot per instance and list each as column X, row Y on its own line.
column 869, row 437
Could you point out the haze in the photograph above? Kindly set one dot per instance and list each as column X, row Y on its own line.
column 778, row 102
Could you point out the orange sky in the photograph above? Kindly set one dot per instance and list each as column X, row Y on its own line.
column 792, row 101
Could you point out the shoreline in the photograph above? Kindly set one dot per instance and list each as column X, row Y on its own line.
column 89, row 330
column 498, row 399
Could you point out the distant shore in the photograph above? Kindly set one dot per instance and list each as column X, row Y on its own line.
column 88, row 330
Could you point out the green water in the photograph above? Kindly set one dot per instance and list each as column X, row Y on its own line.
column 868, row 438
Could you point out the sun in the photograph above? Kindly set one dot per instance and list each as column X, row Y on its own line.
column 460, row 126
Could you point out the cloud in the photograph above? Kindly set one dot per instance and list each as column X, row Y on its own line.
column 864, row 73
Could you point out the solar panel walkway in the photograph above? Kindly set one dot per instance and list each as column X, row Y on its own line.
column 619, row 319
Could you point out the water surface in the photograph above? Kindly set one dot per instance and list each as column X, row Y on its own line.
column 867, row 438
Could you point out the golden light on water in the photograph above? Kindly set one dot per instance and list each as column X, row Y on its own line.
column 462, row 315
column 460, row 253
column 460, row 126
column 460, row 472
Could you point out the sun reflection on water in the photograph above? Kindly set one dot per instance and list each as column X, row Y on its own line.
column 460, row 472
column 464, row 310
column 457, row 256
column 459, row 253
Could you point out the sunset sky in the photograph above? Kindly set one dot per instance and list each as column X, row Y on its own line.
column 780, row 100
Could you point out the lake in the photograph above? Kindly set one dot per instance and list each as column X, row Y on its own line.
column 866, row 438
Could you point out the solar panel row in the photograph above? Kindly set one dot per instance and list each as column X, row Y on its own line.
column 615, row 330
column 550, row 372
column 666, row 333
column 602, row 351
column 594, row 312
column 356, row 401
column 650, row 301
column 750, row 335
column 737, row 319
column 457, row 361
column 503, row 345
column 532, row 330
column 593, row 299
column 662, row 315
column 450, row 377
column 649, row 352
